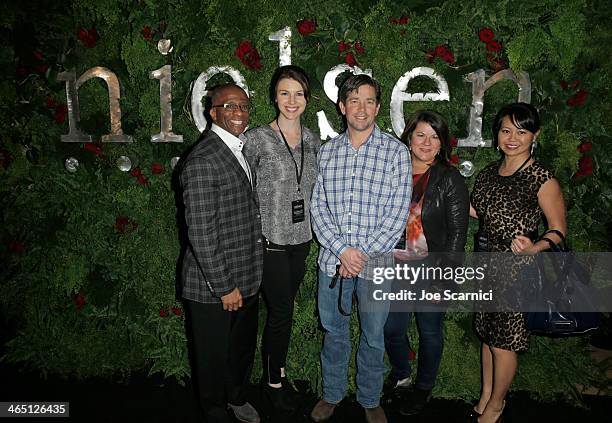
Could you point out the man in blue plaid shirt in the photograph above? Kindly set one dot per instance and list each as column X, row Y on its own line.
column 360, row 204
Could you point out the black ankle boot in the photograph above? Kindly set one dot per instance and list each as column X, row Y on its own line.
column 415, row 402
column 282, row 398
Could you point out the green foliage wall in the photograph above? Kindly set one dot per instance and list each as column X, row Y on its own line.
column 89, row 258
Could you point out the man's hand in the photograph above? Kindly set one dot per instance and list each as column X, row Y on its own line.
column 343, row 272
column 232, row 301
column 352, row 261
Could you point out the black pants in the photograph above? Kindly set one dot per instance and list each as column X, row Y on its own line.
column 224, row 345
column 284, row 269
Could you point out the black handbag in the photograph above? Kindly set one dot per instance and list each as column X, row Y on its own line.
column 481, row 241
column 555, row 292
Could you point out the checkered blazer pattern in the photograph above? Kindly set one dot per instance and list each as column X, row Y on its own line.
column 224, row 248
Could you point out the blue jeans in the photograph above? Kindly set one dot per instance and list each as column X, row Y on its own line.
column 337, row 344
column 431, row 344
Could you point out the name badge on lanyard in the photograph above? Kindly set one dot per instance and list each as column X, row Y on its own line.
column 298, row 210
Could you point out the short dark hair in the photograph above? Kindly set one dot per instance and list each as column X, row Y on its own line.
column 214, row 92
column 438, row 124
column 291, row 72
column 353, row 83
column 522, row 115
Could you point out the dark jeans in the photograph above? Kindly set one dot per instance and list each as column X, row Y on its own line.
column 284, row 269
column 224, row 345
column 431, row 343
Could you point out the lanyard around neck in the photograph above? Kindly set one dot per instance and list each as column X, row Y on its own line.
column 298, row 173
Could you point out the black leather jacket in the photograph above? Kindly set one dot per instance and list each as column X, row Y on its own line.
column 446, row 209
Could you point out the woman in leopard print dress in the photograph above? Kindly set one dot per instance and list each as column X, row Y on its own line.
column 509, row 199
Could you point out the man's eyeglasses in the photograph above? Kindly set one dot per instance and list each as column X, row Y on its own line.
column 234, row 107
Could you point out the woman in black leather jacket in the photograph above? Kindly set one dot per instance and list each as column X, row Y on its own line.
column 437, row 223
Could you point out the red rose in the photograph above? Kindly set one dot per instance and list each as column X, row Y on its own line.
column 575, row 84
column 93, row 147
column 253, row 60
column 453, row 141
column 403, row 20
column 350, row 59
column 50, row 101
column 124, row 225
column 585, row 166
column 494, row 46
column 163, row 312
column 93, row 37
column 411, row 355
column 59, row 118
column 454, row 159
column 147, row 33
column 486, row 35
column 358, row 48
column 306, row 26
column 142, row 180
column 157, row 168
column 577, row 99
column 440, row 50
column 79, row 300
column 248, row 55
column 38, row 56
column 16, row 246
column 89, row 38
column 243, row 48
column 448, row 57
column 342, row 46
column 564, row 84
column 5, row 158
column 177, row 311
column 60, row 114
column 82, row 34
column 585, row 147
column 581, row 96
column 136, row 172
column 121, row 223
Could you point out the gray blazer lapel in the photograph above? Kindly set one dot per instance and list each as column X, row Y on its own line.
column 231, row 162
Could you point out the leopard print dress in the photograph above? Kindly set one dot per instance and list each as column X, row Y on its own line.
column 507, row 206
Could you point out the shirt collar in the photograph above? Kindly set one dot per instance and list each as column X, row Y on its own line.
column 375, row 137
column 233, row 142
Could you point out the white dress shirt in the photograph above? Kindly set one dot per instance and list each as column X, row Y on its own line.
column 235, row 144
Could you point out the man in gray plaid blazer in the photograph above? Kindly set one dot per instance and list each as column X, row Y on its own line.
column 222, row 266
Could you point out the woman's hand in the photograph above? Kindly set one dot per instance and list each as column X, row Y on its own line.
column 522, row 245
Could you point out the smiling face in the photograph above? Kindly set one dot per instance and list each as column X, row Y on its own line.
column 513, row 141
column 290, row 98
column 360, row 108
column 233, row 122
column 424, row 144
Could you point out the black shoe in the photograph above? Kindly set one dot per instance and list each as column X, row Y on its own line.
column 282, row 399
column 415, row 402
column 288, row 386
column 394, row 390
column 393, row 385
